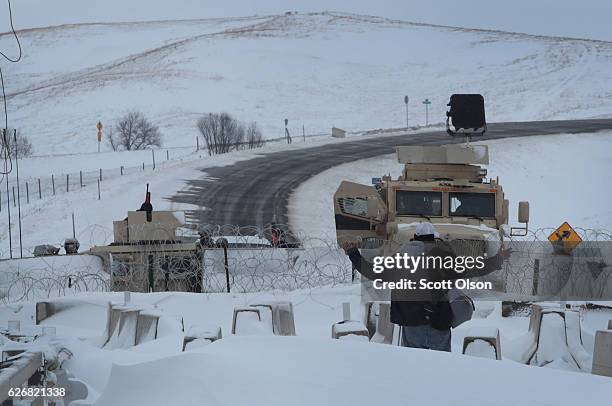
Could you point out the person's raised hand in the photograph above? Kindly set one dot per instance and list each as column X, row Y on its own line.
column 348, row 245
column 504, row 254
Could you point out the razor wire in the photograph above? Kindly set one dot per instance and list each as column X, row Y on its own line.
column 243, row 259
column 53, row 276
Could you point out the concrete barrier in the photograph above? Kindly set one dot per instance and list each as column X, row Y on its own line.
column 477, row 338
column 43, row 311
column 146, row 327
column 349, row 328
column 602, row 354
column 568, row 335
column 194, row 340
column 338, row 132
column 248, row 321
column 573, row 335
column 124, row 333
column 283, row 323
column 113, row 316
column 384, row 327
column 130, row 325
column 535, row 325
column 371, row 313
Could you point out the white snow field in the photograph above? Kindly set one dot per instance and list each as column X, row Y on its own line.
column 316, row 69
column 560, row 175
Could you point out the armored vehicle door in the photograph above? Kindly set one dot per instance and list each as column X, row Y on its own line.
column 358, row 209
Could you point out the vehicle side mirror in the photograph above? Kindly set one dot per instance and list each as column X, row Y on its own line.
column 523, row 212
column 372, row 207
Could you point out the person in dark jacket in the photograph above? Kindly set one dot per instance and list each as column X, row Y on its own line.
column 424, row 316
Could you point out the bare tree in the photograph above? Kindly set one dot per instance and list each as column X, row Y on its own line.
column 23, row 146
column 221, row 132
column 134, row 132
column 254, row 138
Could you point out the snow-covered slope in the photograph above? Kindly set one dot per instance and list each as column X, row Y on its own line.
column 585, row 19
column 317, row 70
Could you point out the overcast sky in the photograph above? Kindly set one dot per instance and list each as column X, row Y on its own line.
column 577, row 18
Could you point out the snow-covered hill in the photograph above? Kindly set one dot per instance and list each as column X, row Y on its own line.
column 318, row 70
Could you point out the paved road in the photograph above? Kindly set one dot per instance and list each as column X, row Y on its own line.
column 254, row 192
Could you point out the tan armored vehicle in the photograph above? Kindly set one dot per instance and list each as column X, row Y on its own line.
column 443, row 185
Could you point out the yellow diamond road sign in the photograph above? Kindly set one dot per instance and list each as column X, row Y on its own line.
column 566, row 236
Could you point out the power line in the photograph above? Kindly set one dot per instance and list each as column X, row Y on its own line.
column 5, row 144
column 5, row 149
column 14, row 34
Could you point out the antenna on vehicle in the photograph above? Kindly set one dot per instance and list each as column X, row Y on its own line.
column 147, row 206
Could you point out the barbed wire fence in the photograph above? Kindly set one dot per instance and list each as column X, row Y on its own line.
column 255, row 259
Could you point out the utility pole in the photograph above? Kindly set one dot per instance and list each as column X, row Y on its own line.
column 406, row 103
column 99, row 126
column 8, row 202
column 426, row 102
column 18, row 194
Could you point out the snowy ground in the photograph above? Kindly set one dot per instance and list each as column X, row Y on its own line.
column 157, row 373
column 318, row 70
column 561, row 176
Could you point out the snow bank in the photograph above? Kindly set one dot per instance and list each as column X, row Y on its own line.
column 290, row 370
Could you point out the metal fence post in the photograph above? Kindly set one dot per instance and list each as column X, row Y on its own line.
column 14, row 201
column 27, row 193
column 53, row 184
column 67, row 183
column 98, row 189
column 226, row 265
column 100, row 174
column 39, row 190
column 150, row 273
column 536, row 276
column 81, row 178
column 121, row 170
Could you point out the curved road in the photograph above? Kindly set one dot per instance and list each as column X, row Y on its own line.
column 256, row 191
